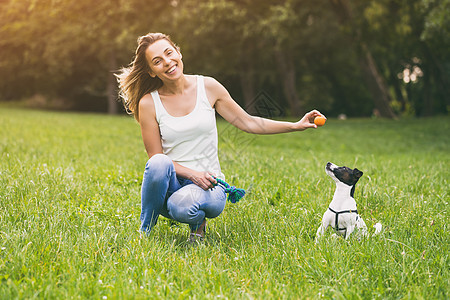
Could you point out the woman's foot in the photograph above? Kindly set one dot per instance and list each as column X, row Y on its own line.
column 198, row 235
column 195, row 238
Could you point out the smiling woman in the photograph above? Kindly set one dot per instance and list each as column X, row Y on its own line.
column 164, row 59
column 135, row 81
column 176, row 113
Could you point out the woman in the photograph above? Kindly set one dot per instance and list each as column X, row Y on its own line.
column 176, row 113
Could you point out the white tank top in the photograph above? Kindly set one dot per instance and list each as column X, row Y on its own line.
column 190, row 140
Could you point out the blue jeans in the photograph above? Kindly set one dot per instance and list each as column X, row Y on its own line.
column 163, row 193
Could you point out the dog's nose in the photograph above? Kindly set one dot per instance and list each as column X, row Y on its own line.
column 328, row 164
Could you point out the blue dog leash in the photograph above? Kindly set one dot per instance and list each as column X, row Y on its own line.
column 234, row 194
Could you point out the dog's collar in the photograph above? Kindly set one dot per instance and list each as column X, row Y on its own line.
column 336, row 226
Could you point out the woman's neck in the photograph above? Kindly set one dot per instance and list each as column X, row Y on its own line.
column 176, row 87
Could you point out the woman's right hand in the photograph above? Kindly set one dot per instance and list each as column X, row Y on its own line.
column 205, row 180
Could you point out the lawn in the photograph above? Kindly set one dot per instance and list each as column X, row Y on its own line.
column 70, row 205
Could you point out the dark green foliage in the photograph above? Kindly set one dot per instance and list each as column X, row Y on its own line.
column 62, row 53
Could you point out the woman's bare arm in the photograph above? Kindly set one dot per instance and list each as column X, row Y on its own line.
column 238, row 117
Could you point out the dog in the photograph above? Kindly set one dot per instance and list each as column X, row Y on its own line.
column 342, row 214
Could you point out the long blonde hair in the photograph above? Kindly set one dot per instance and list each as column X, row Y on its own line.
column 135, row 80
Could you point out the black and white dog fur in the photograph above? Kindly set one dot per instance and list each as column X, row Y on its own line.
column 342, row 214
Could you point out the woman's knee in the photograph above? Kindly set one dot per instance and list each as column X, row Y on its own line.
column 216, row 204
column 179, row 205
column 159, row 165
column 183, row 205
column 191, row 204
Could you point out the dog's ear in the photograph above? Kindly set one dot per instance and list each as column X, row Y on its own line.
column 357, row 173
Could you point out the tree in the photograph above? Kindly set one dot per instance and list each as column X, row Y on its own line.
column 71, row 48
column 435, row 41
column 369, row 69
column 304, row 53
column 410, row 63
column 261, row 43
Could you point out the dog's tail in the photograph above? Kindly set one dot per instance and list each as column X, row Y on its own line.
column 378, row 228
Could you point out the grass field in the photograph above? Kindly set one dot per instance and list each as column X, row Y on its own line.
column 70, row 205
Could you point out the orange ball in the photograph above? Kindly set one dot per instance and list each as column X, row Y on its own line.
column 319, row 121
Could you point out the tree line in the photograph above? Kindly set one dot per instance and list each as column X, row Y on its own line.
column 384, row 57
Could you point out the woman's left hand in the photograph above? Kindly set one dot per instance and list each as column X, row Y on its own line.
column 205, row 180
column 308, row 120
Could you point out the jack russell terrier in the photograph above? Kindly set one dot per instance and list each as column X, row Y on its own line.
column 342, row 214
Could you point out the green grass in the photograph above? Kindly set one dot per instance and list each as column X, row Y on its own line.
column 70, row 205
